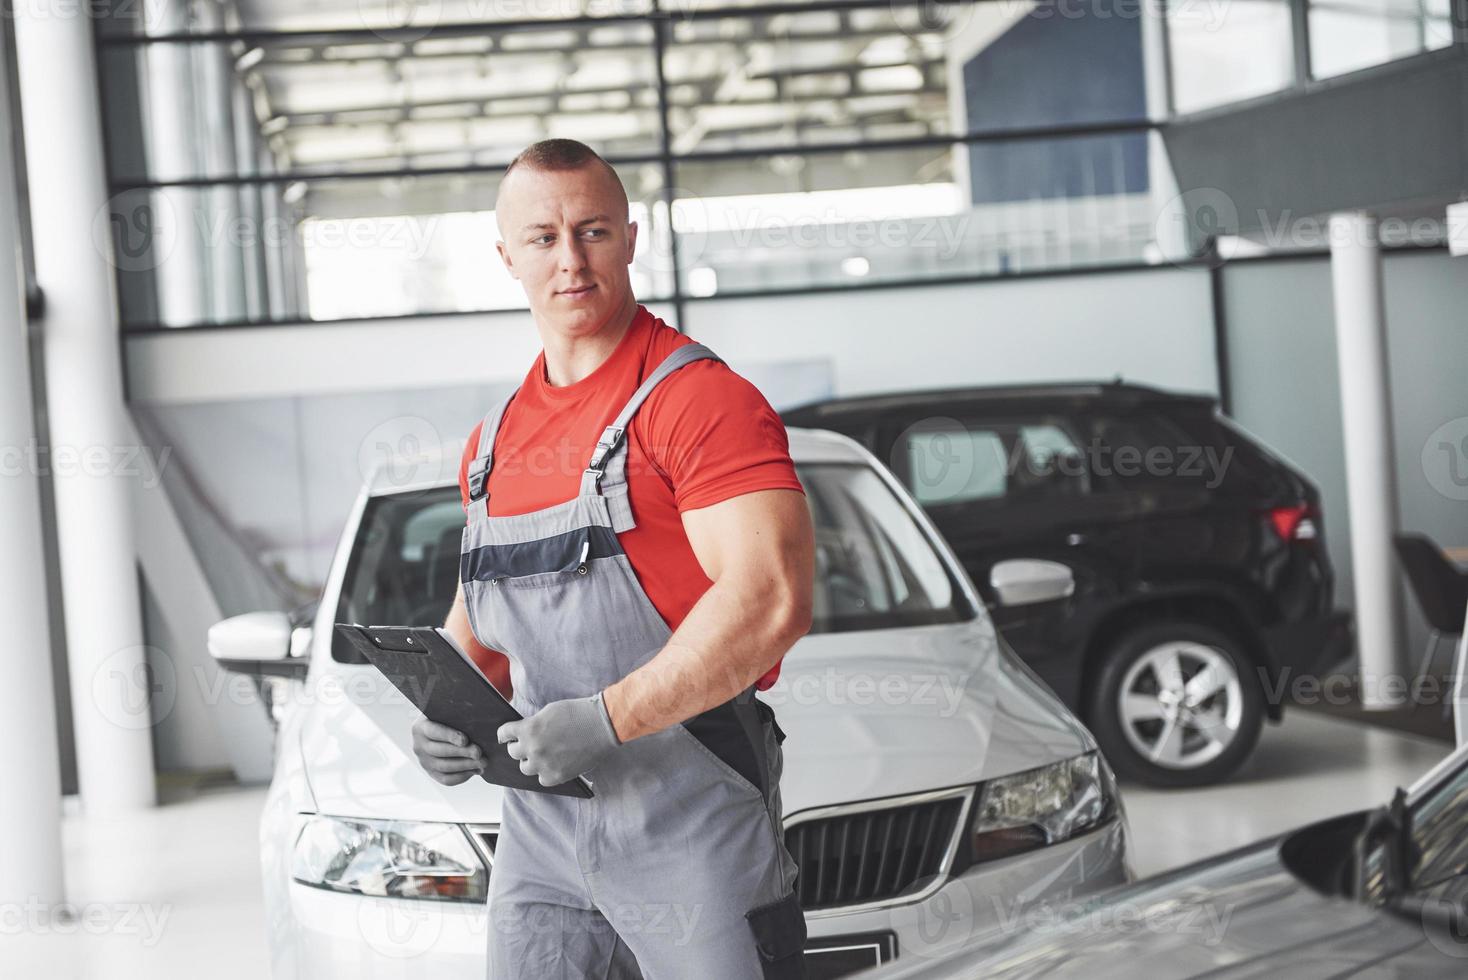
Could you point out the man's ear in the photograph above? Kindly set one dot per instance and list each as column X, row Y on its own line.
column 505, row 258
column 631, row 240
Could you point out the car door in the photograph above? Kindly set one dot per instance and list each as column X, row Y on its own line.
column 1016, row 485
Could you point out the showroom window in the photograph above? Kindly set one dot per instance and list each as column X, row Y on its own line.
column 270, row 164
column 1349, row 34
column 1225, row 53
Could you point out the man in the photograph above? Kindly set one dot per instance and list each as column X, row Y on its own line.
column 638, row 557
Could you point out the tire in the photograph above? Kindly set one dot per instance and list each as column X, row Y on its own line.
column 1210, row 736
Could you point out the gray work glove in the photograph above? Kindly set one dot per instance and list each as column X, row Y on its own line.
column 562, row 740
column 445, row 753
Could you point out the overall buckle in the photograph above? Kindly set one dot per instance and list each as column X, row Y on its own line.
column 479, row 476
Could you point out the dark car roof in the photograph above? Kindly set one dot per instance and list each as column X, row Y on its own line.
column 1116, row 393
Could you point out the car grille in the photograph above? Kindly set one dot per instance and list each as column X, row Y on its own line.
column 874, row 852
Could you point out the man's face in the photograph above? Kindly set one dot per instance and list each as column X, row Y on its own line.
column 567, row 239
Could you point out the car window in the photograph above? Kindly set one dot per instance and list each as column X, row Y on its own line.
column 946, row 461
column 953, row 466
column 875, row 568
column 404, row 565
column 1146, row 450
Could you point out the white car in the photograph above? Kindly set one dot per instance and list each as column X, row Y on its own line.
column 932, row 788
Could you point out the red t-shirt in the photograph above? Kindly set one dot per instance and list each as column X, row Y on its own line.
column 703, row 435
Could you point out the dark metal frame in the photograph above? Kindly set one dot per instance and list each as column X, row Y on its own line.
column 660, row 20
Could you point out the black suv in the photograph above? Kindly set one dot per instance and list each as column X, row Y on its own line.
column 1201, row 583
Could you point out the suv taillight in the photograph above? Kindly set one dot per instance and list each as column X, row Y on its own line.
column 1293, row 523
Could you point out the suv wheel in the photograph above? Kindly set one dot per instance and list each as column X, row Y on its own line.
column 1176, row 704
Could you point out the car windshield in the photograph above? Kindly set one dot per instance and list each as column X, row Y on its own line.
column 875, row 568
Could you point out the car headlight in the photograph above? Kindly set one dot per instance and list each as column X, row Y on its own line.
column 389, row 858
column 1042, row 806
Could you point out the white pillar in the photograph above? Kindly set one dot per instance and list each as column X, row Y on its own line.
column 1360, row 327
column 30, row 765
column 110, row 689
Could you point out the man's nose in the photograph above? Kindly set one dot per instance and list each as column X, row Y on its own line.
column 572, row 253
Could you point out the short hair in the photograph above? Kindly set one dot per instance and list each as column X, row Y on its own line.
column 555, row 155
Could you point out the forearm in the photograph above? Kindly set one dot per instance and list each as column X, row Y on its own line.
column 728, row 640
column 491, row 663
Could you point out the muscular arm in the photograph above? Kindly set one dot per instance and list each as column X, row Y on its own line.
column 491, row 663
column 758, row 549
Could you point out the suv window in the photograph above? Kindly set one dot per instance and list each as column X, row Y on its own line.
column 950, row 461
column 1155, row 451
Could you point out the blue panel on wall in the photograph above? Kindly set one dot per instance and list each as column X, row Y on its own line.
column 1059, row 65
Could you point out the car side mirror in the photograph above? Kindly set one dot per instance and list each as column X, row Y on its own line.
column 260, row 643
column 1021, row 581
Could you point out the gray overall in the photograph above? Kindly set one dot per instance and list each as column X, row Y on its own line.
column 676, row 869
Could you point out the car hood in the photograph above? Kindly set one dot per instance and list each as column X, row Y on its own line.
column 1239, row 915
column 867, row 714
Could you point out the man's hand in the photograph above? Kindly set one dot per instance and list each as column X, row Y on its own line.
column 445, row 753
column 562, row 740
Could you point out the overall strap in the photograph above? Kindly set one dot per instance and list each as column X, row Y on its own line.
column 483, row 460
column 607, row 473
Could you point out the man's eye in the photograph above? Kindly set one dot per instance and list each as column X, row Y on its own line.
column 597, row 232
column 542, row 240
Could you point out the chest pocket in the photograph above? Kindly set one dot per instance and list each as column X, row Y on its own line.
column 538, row 562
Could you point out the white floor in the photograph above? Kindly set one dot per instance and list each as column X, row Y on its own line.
column 1307, row 767
column 175, row 892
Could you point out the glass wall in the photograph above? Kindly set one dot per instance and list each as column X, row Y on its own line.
column 1349, row 34
column 318, row 164
column 1224, row 53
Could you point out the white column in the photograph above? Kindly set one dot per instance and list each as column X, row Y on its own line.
column 110, row 689
column 1360, row 327
column 30, row 766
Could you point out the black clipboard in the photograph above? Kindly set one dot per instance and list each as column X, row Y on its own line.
column 427, row 665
